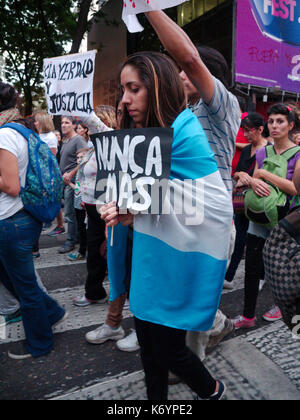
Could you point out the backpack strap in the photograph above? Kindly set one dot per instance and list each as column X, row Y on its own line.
column 270, row 151
column 24, row 131
column 290, row 153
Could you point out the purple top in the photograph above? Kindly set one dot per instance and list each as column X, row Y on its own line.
column 261, row 155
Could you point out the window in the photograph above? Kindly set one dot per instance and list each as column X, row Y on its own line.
column 195, row 8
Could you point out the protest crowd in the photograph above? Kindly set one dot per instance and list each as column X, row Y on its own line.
column 250, row 169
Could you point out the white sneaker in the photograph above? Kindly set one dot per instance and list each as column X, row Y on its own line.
column 82, row 301
column 261, row 284
column 129, row 343
column 228, row 285
column 104, row 333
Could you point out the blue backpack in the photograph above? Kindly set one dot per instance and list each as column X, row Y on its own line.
column 43, row 189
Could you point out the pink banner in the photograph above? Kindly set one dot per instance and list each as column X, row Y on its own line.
column 268, row 44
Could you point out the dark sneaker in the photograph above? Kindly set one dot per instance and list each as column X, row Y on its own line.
column 56, row 231
column 173, row 379
column 15, row 317
column 62, row 319
column 65, row 249
column 219, row 395
column 19, row 351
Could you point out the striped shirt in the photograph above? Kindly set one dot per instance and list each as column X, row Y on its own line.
column 221, row 121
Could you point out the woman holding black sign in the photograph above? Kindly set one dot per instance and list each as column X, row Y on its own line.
column 177, row 275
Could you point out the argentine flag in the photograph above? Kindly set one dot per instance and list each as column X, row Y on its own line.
column 179, row 259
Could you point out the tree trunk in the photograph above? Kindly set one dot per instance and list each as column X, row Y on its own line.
column 81, row 25
column 28, row 105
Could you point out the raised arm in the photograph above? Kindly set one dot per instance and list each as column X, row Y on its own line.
column 184, row 52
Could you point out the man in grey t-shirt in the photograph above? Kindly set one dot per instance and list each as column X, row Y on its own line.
column 68, row 162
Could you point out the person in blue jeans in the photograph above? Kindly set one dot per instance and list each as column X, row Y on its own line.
column 18, row 233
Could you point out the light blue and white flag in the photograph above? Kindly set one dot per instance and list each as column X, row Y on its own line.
column 179, row 259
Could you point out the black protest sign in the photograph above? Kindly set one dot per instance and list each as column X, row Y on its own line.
column 130, row 164
column 69, row 84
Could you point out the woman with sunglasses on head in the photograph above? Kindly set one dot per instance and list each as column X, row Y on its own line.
column 153, row 96
column 281, row 121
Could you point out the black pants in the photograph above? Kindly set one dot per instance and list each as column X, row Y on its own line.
column 80, row 217
column 164, row 349
column 241, row 225
column 254, row 269
column 96, row 264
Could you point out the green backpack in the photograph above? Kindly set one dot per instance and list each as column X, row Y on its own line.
column 267, row 211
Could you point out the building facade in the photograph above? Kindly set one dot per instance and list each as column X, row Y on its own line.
column 207, row 22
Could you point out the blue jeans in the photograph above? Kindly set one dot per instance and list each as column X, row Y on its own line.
column 39, row 311
column 70, row 216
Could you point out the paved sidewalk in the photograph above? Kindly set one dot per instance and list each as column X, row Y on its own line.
column 261, row 365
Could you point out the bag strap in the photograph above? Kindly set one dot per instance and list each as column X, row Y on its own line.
column 270, row 151
column 290, row 153
column 24, row 131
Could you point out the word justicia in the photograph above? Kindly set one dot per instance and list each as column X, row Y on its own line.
column 71, row 102
column 147, row 195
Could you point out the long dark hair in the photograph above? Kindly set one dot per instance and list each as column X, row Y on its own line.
column 8, row 96
column 165, row 89
column 84, row 126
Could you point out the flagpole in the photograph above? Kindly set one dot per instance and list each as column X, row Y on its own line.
column 112, row 236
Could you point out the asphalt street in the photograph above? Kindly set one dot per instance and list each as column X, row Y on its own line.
column 262, row 363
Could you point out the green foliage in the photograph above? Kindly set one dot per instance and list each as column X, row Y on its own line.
column 33, row 30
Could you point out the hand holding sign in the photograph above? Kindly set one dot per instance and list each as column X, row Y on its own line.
column 129, row 163
column 133, row 7
column 110, row 214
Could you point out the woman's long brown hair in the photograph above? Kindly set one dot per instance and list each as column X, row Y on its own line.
column 166, row 94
